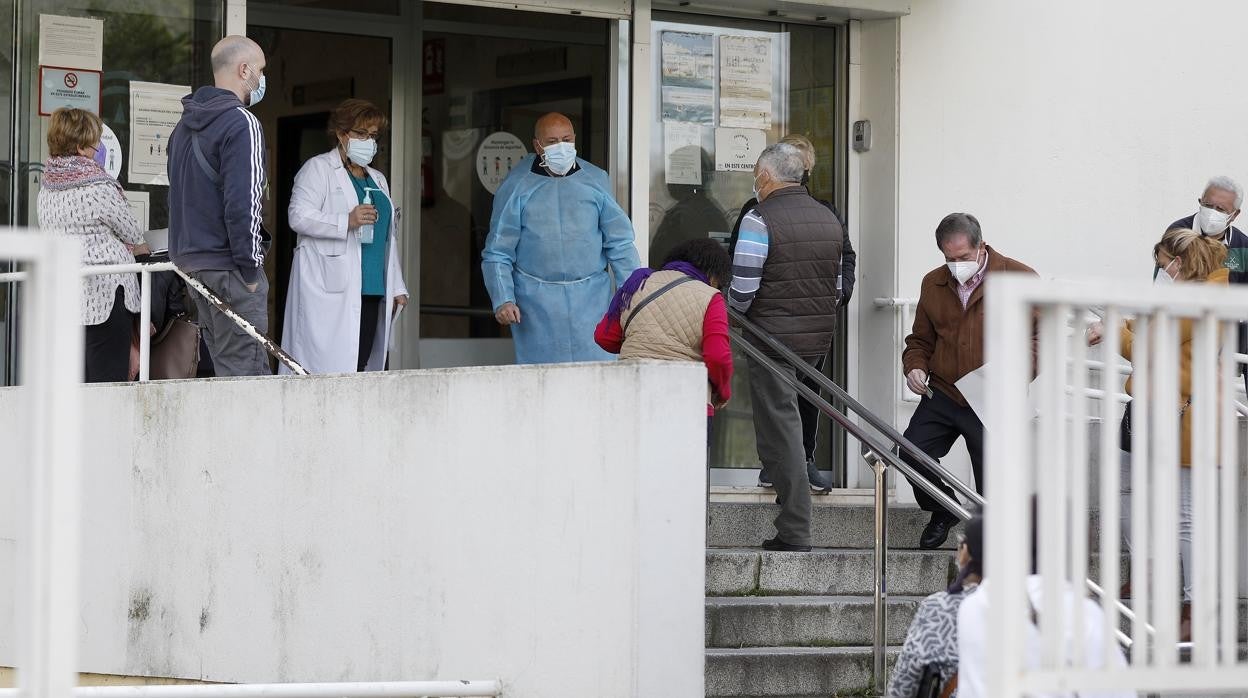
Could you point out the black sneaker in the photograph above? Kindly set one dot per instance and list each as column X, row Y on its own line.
column 780, row 546
column 764, row 480
column 819, row 483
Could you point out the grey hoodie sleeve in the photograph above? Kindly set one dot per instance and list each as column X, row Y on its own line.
column 243, row 182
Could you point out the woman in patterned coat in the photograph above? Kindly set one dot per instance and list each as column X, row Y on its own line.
column 933, row 635
column 78, row 197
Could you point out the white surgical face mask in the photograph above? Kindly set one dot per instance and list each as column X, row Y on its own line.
column 361, row 152
column 1212, row 221
column 254, row 97
column 559, row 157
column 755, row 189
column 1163, row 277
column 963, row 271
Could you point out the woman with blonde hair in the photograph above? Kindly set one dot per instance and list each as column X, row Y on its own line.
column 1182, row 256
column 78, row 197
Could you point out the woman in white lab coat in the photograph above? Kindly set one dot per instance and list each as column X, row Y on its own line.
column 345, row 290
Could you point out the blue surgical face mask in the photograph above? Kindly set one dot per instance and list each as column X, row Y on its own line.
column 559, row 157
column 361, row 152
column 257, row 94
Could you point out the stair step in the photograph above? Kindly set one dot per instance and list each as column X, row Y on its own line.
column 823, row 572
column 737, row 524
column 789, row 672
column 802, row 621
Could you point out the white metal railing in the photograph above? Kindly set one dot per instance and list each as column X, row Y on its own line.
column 145, row 271
column 904, row 312
column 377, row 689
column 1051, row 454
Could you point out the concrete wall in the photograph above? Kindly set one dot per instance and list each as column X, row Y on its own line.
column 1075, row 131
column 542, row 525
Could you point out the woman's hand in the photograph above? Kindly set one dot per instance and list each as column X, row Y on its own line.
column 1095, row 333
column 141, row 249
column 362, row 215
column 400, row 301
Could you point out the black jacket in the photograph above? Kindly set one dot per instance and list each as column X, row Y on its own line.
column 849, row 258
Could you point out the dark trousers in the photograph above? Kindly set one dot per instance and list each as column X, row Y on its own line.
column 370, row 312
column 108, row 345
column 810, row 415
column 233, row 351
column 778, row 435
column 936, row 424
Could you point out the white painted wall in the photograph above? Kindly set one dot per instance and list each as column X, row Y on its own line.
column 1076, row 131
column 542, row 525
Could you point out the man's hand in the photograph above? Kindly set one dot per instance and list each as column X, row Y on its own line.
column 1095, row 333
column 507, row 314
column 362, row 215
column 251, row 288
column 400, row 301
column 719, row 404
column 916, row 381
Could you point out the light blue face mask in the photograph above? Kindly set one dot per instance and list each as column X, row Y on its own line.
column 257, row 94
column 559, row 157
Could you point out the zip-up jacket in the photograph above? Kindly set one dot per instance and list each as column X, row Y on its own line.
column 217, row 226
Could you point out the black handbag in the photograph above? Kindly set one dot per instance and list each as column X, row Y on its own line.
column 175, row 350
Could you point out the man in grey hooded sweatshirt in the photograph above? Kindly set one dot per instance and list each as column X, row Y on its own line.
column 216, row 186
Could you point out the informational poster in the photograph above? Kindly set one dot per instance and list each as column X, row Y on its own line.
column 140, row 205
column 71, row 88
column 113, row 158
column 688, row 77
column 499, row 152
column 71, row 42
column 737, row 149
column 155, row 109
column 682, row 150
column 745, row 82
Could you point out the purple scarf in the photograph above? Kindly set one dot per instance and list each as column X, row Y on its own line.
column 624, row 296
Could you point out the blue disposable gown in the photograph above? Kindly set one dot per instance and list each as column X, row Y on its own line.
column 551, row 241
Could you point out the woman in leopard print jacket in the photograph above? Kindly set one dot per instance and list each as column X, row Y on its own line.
column 78, row 197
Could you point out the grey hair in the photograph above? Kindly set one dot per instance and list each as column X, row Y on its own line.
column 1227, row 184
column 783, row 161
column 956, row 224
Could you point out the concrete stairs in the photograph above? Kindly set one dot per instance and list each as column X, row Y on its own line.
column 799, row 625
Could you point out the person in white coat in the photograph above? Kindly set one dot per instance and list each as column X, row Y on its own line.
column 346, row 285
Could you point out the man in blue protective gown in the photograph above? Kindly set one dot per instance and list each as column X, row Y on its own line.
column 554, row 232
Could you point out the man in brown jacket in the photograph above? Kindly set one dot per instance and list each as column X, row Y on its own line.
column 946, row 343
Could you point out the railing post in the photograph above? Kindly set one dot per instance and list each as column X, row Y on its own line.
column 145, row 321
column 880, row 634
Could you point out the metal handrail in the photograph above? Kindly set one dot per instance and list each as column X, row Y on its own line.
column 876, row 422
column 145, row 270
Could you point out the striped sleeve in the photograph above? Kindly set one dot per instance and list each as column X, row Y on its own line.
column 242, row 181
column 747, row 261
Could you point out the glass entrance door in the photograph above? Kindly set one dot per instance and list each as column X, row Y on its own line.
column 487, row 76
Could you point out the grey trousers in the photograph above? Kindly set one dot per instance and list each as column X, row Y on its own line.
column 778, row 433
column 233, row 351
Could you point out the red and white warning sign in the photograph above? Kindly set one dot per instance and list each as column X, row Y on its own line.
column 68, row 87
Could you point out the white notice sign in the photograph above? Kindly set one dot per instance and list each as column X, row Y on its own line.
column 113, row 158
column 71, row 42
column 155, row 109
column 682, row 148
column 745, row 81
column 499, row 152
column 737, row 149
column 140, row 203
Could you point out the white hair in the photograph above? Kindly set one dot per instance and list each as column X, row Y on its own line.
column 1227, row 184
column 783, row 161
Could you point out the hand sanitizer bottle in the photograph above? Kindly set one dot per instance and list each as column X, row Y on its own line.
column 366, row 230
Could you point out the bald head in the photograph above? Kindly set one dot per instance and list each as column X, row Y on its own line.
column 237, row 63
column 552, row 128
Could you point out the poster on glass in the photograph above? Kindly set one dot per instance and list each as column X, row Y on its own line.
column 745, row 82
column 688, row 77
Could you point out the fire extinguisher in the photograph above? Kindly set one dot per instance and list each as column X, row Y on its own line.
column 426, row 168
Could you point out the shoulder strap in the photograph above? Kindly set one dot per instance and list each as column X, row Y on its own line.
column 213, row 175
column 671, row 285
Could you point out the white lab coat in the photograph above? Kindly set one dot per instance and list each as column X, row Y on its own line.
column 322, row 325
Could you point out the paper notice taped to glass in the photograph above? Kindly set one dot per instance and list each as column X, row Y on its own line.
column 974, row 388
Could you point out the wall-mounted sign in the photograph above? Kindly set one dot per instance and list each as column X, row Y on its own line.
column 155, row 109
column 737, row 149
column 68, row 87
column 499, row 152
column 113, row 160
column 76, row 42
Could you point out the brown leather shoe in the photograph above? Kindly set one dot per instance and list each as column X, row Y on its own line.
column 1185, row 623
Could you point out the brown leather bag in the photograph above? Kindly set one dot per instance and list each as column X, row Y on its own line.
column 175, row 350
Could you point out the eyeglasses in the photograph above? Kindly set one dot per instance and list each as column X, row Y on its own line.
column 1228, row 210
column 362, row 134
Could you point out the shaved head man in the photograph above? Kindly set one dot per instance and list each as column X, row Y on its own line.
column 555, row 232
column 216, row 185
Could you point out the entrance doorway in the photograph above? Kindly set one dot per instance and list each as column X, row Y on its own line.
column 313, row 71
column 488, row 75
